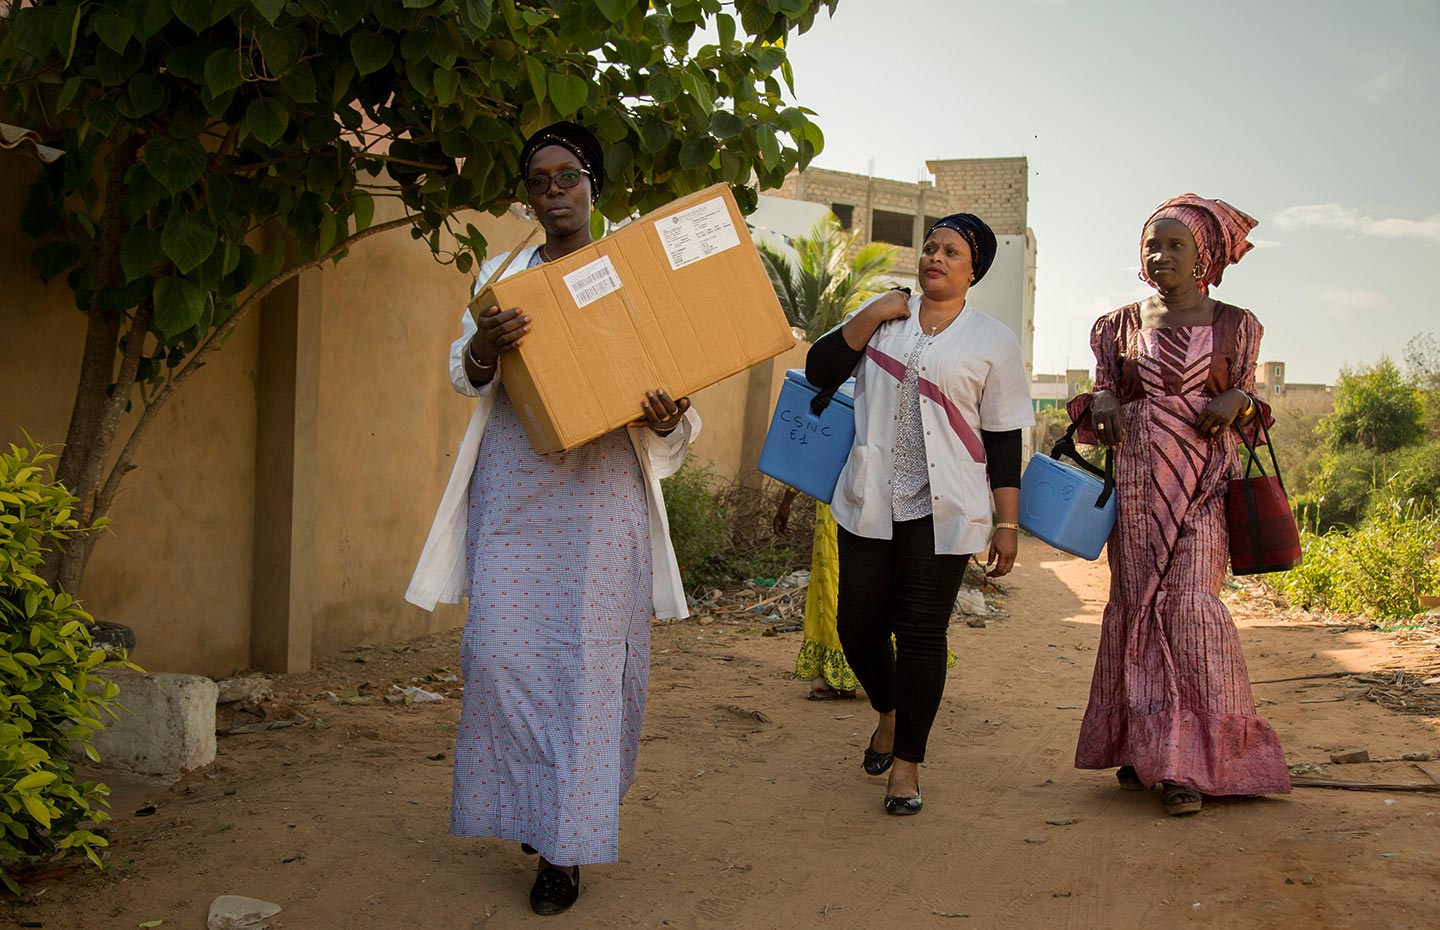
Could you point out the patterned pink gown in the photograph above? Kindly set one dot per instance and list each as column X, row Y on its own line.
column 1171, row 695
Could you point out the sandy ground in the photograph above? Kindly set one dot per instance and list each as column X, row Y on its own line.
column 741, row 820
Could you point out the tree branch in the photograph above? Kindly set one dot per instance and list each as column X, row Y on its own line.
column 227, row 144
column 213, row 341
column 252, row 166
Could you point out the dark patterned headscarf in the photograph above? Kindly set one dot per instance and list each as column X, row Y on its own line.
column 574, row 138
column 977, row 235
column 1219, row 230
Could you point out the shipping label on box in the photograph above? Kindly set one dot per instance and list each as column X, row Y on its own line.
column 697, row 233
column 678, row 299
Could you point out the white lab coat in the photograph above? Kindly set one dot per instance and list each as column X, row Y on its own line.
column 972, row 378
column 441, row 572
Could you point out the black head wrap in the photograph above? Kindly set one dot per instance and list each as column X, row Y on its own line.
column 980, row 238
column 576, row 139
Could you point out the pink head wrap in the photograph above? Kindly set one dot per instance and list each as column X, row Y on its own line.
column 1219, row 230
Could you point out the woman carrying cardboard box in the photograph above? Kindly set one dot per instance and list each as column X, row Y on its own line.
column 941, row 395
column 564, row 558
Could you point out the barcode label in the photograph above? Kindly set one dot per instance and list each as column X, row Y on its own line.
column 593, row 281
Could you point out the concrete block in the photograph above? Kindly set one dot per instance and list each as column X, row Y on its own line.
column 170, row 727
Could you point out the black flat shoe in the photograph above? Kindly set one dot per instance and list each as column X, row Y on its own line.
column 876, row 763
column 902, row 807
column 527, row 849
column 555, row 889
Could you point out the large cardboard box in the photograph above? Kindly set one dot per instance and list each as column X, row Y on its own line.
column 678, row 299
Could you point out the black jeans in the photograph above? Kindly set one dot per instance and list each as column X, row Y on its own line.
column 899, row 586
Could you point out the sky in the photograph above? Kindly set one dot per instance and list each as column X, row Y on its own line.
column 1320, row 119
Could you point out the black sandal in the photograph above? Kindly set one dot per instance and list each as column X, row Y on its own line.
column 1129, row 781
column 1180, row 799
column 876, row 763
column 554, row 890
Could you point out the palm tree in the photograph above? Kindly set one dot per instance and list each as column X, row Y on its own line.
column 826, row 283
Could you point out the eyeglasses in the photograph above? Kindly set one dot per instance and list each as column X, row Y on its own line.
column 539, row 184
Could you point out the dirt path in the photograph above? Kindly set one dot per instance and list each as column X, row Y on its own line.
column 743, row 822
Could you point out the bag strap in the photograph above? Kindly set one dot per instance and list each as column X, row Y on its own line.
column 1254, row 458
column 820, row 401
column 1065, row 448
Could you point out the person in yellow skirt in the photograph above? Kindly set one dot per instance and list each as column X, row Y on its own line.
column 821, row 660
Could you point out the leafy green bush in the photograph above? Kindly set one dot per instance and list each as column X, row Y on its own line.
column 699, row 527
column 1341, row 492
column 722, row 532
column 1416, row 472
column 50, row 697
column 1353, row 481
column 1374, row 569
column 1377, row 407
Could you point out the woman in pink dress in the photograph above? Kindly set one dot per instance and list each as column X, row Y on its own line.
column 1170, row 701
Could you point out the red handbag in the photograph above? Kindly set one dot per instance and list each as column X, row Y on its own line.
column 1263, row 534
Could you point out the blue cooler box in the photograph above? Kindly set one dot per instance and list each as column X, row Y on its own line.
column 804, row 450
column 1058, row 503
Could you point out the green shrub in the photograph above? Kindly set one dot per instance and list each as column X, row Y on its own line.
column 722, row 532
column 1353, row 481
column 50, row 697
column 1346, row 481
column 1377, row 407
column 699, row 527
column 1416, row 473
column 1373, row 569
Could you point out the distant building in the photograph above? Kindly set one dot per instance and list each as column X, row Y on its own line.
column 1050, row 392
column 778, row 221
column 1270, row 382
column 899, row 212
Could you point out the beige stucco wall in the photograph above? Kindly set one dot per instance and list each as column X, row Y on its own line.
column 388, row 430
column 175, row 564
column 730, row 441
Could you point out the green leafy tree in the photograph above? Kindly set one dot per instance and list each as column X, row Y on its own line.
column 826, row 281
column 1422, row 358
column 216, row 148
column 1377, row 407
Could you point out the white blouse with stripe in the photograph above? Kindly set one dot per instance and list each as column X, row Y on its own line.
column 971, row 377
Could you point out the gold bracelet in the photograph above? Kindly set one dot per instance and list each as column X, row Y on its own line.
column 470, row 353
column 1007, row 526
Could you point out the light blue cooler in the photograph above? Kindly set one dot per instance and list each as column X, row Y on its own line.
column 1071, row 508
column 810, row 436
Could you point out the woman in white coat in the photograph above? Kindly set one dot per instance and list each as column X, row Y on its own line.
column 565, row 558
column 941, row 395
